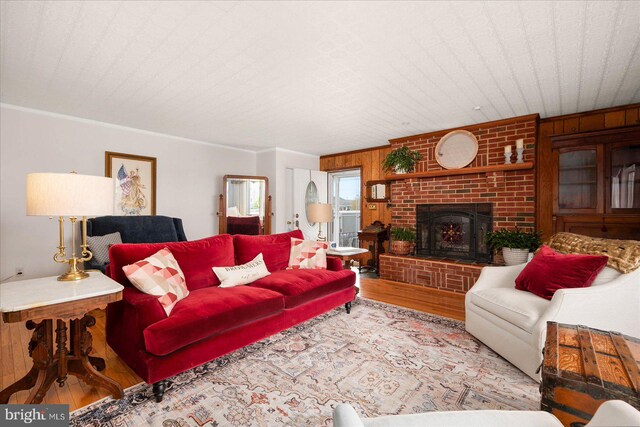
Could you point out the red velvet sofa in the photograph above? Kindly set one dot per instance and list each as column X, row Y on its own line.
column 214, row 321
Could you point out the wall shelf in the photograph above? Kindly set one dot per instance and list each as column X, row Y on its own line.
column 463, row 171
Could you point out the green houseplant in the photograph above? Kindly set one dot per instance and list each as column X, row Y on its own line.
column 401, row 160
column 515, row 244
column 402, row 239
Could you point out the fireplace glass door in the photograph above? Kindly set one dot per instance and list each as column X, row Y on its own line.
column 454, row 231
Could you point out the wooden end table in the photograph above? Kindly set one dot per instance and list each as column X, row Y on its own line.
column 41, row 301
column 349, row 255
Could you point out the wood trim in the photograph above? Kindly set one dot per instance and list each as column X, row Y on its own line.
column 617, row 134
column 463, row 171
column 435, row 301
column 347, row 153
column 476, row 126
column 600, row 111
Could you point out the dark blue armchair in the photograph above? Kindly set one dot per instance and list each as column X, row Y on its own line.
column 136, row 229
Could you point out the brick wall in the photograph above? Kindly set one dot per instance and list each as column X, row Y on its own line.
column 450, row 276
column 512, row 194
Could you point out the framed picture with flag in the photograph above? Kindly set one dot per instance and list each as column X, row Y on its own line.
column 135, row 183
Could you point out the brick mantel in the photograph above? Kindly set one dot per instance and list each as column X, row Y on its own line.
column 511, row 193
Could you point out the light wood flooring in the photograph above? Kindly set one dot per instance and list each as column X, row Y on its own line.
column 15, row 360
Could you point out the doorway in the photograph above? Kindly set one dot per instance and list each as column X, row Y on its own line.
column 344, row 195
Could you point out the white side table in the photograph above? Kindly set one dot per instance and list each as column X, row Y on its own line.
column 347, row 255
column 39, row 302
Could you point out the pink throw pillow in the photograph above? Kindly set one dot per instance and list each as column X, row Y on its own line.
column 549, row 271
column 159, row 275
column 307, row 254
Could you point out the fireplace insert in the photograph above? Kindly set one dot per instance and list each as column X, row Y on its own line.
column 454, row 231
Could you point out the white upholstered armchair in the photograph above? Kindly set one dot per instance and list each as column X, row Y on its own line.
column 609, row 414
column 513, row 323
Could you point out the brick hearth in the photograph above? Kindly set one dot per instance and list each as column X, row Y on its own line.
column 512, row 194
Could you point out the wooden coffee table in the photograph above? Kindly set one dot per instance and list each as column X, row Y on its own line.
column 41, row 301
column 349, row 255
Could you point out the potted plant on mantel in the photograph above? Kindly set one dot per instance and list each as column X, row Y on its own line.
column 402, row 239
column 515, row 244
column 401, row 160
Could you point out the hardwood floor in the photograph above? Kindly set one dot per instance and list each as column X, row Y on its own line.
column 15, row 360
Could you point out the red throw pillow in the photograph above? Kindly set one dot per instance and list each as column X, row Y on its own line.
column 549, row 271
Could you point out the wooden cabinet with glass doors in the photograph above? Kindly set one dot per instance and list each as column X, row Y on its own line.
column 597, row 183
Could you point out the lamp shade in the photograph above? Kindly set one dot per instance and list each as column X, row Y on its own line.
column 320, row 212
column 69, row 194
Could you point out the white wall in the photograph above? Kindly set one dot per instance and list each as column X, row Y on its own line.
column 189, row 177
column 273, row 163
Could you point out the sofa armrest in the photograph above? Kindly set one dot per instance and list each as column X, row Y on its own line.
column 147, row 307
column 334, row 263
column 497, row 277
column 614, row 306
column 615, row 413
column 345, row 416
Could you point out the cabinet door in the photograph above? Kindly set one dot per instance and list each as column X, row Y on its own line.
column 578, row 176
column 623, row 177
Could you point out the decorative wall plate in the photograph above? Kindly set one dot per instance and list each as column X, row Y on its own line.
column 456, row 149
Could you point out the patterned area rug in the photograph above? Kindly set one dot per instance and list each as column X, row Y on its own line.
column 382, row 359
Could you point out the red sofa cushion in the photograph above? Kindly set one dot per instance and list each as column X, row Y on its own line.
column 208, row 312
column 275, row 249
column 195, row 258
column 549, row 271
column 302, row 286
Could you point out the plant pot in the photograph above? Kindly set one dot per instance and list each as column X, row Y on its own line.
column 400, row 247
column 513, row 256
column 400, row 171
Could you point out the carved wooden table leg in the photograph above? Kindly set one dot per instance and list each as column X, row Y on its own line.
column 61, row 352
column 80, row 364
column 42, row 372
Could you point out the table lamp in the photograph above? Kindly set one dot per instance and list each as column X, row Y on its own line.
column 70, row 195
column 320, row 212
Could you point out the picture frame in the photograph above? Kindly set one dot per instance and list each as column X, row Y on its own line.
column 134, row 183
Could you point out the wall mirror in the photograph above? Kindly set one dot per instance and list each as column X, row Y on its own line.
column 245, row 205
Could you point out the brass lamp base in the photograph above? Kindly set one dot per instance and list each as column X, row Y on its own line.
column 74, row 272
column 73, row 275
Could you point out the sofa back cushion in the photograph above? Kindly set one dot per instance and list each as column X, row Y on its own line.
column 196, row 258
column 275, row 248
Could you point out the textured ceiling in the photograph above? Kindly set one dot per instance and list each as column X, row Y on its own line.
column 316, row 77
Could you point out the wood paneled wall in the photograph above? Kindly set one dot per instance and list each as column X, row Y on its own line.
column 369, row 161
column 561, row 125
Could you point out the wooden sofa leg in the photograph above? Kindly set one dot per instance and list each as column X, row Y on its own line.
column 347, row 307
column 159, row 389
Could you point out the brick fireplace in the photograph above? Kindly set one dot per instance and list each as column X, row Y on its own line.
column 510, row 193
